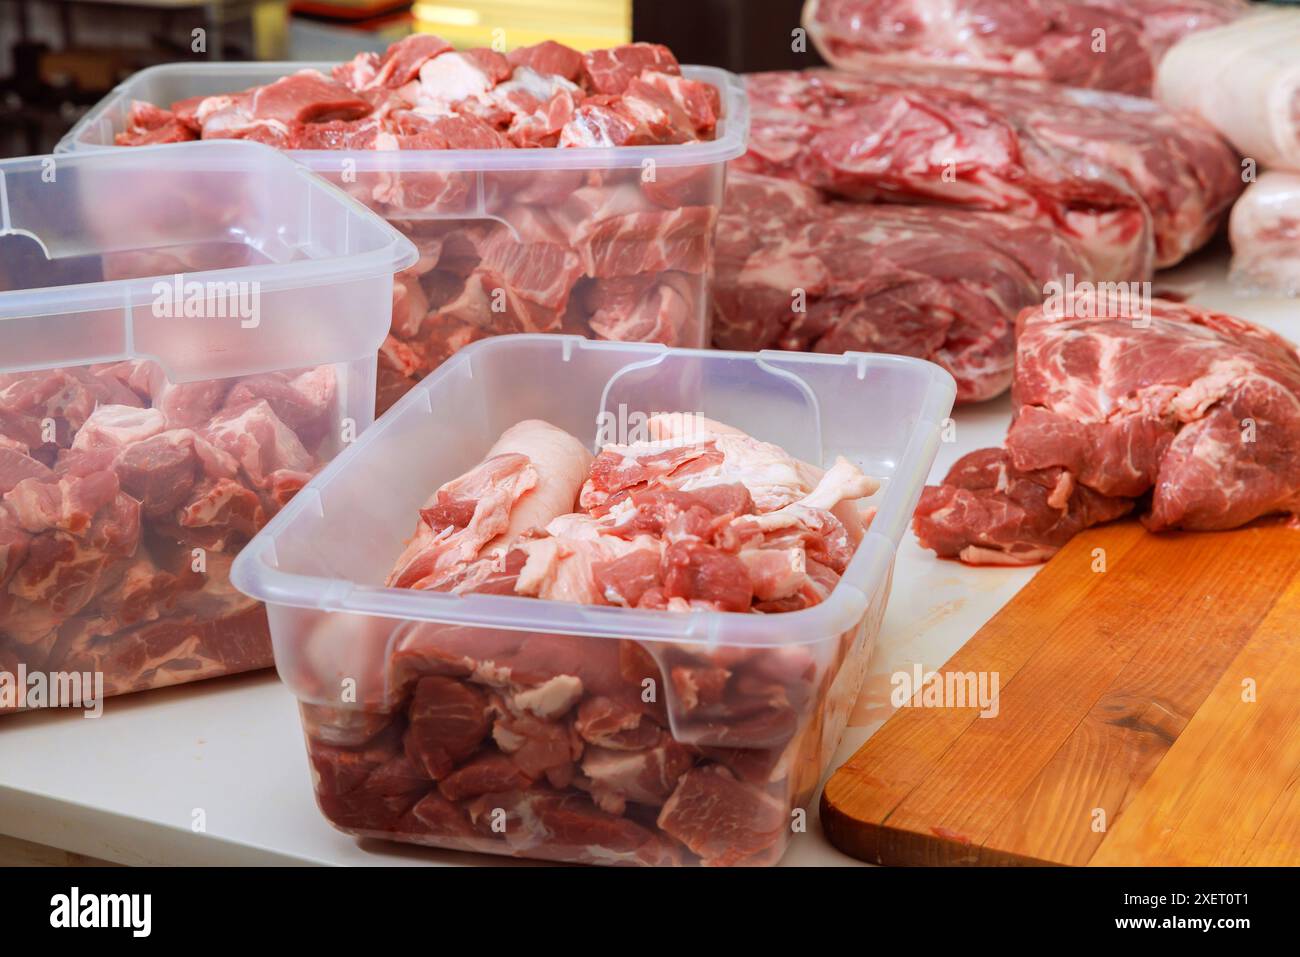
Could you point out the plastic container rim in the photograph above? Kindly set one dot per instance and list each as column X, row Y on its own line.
column 729, row 144
column 385, row 259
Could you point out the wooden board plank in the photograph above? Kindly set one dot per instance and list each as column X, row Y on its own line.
column 1102, row 674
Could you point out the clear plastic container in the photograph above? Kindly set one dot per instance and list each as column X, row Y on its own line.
column 186, row 334
column 592, row 217
column 372, row 666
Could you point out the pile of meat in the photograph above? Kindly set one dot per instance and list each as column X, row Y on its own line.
column 601, row 749
column 1188, row 416
column 797, row 271
column 1105, row 44
column 123, row 501
column 1134, row 185
column 579, row 248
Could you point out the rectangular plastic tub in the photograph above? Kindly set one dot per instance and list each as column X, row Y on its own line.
column 353, row 650
column 593, row 216
column 186, row 334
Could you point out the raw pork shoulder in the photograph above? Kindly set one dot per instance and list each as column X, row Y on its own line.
column 796, row 271
column 1191, row 415
column 1134, row 185
column 1053, row 40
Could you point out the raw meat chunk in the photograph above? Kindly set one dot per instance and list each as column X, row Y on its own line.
column 724, row 821
column 1133, row 186
column 610, row 71
column 149, row 125
column 988, row 512
column 1053, row 40
column 531, row 474
column 1193, row 413
column 448, row 721
column 549, row 57
column 795, row 271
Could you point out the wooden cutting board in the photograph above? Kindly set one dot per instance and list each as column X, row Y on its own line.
column 1148, row 714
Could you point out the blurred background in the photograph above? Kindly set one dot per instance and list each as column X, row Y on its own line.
column 59, row 57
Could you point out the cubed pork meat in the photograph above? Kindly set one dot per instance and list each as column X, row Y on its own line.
column 618, row 254
column 123, row 500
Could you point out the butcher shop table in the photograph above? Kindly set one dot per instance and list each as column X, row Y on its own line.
column 216, row 773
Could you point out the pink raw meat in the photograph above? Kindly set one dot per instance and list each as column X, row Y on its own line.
column 1196, row 410
column 796, row 271
column 1052, row 40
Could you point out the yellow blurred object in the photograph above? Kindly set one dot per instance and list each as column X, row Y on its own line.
column 506, row 24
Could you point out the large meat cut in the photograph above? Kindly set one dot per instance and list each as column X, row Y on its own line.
column 584, row 247
column 797, row 271
column 124, row 498
column 1244, row 80
column 600, row 749
column 1265, row 231
column 1104, row 44
column 1134, row 185
column 1190, row 416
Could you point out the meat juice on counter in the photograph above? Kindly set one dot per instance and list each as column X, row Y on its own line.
column 603, row 750
column 608, row 253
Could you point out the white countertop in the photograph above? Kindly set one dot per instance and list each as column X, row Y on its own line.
column 129, row 786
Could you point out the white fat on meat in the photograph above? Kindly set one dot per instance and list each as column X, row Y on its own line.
column 798, row 539
column 774, row 478
column 560, row 567
column 531, row 474
column 540, row 86
column 562, row 462
column 550, row 699
column 117, row 426
column 446, row 80
column 839, row 487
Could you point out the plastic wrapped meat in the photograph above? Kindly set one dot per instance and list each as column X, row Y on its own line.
column 1189, row 416
column 1101, row 44
column 1244, row 80
column 602, row 251
column 1131, row 184
column 599, row 749
column 1265, row 233
column 796, row 271
column 123, row 499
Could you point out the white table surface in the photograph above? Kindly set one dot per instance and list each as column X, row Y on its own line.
column 127, row 787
